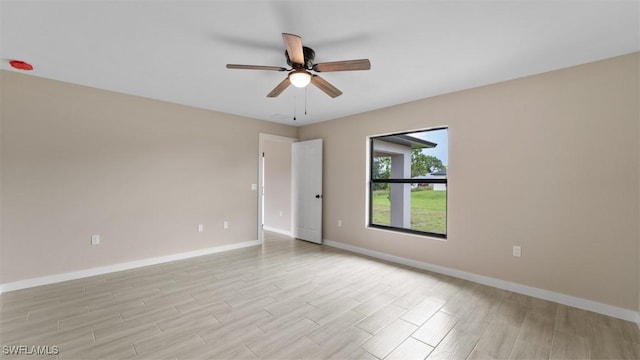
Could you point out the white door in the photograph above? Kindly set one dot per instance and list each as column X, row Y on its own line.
column 306, row 161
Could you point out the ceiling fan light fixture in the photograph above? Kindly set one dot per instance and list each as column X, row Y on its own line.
column 299, row 78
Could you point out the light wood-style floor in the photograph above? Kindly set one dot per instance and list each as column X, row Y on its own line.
column 291, row 299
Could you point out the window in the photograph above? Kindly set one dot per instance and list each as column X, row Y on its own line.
column 408, row 182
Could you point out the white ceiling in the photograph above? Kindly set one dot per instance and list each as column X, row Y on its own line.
column 176, row 51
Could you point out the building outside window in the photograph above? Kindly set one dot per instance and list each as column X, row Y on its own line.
column 408, row 182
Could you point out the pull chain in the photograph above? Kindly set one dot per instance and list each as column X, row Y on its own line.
column 294, row 107
column 305, row 100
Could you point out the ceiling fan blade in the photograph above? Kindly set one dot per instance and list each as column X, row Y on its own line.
column 324, row 85
column 280, row 88
column 347, row 65
column 293, row 43
column 255, row 67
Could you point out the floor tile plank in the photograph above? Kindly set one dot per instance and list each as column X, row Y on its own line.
column 381, row 318
column 436, row 328
column 381, row 344
column 410, row 349
column 568, row 346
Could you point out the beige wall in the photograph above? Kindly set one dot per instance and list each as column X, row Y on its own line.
column 141, row 173
column 277, row 181
column 548, row 162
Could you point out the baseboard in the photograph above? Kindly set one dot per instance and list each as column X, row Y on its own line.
column 580, row 303
column 51, row 279
column 277, row 231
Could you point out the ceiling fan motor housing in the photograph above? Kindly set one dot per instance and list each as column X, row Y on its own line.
column 309, row 58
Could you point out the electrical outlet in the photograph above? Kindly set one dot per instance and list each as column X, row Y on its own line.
column 95, row 239
column 517, row 251
column 200, row 227
column 339, row 223
column 225, row 224
column 280, row 212
column 254, row 187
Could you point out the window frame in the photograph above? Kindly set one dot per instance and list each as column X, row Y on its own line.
column 373, row 181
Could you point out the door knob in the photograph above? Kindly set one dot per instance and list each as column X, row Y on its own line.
column 318, row 196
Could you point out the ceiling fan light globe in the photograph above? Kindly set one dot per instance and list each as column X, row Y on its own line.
column 300, row 79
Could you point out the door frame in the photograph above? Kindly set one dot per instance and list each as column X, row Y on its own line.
column 262, row 137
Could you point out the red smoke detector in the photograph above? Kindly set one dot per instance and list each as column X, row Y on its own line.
column 20, row 65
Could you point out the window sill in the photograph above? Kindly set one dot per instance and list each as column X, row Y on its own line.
column 407, row 232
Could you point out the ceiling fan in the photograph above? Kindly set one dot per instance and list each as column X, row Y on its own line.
column 301, row 59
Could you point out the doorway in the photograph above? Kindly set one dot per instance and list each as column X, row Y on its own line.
column 275, row 203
